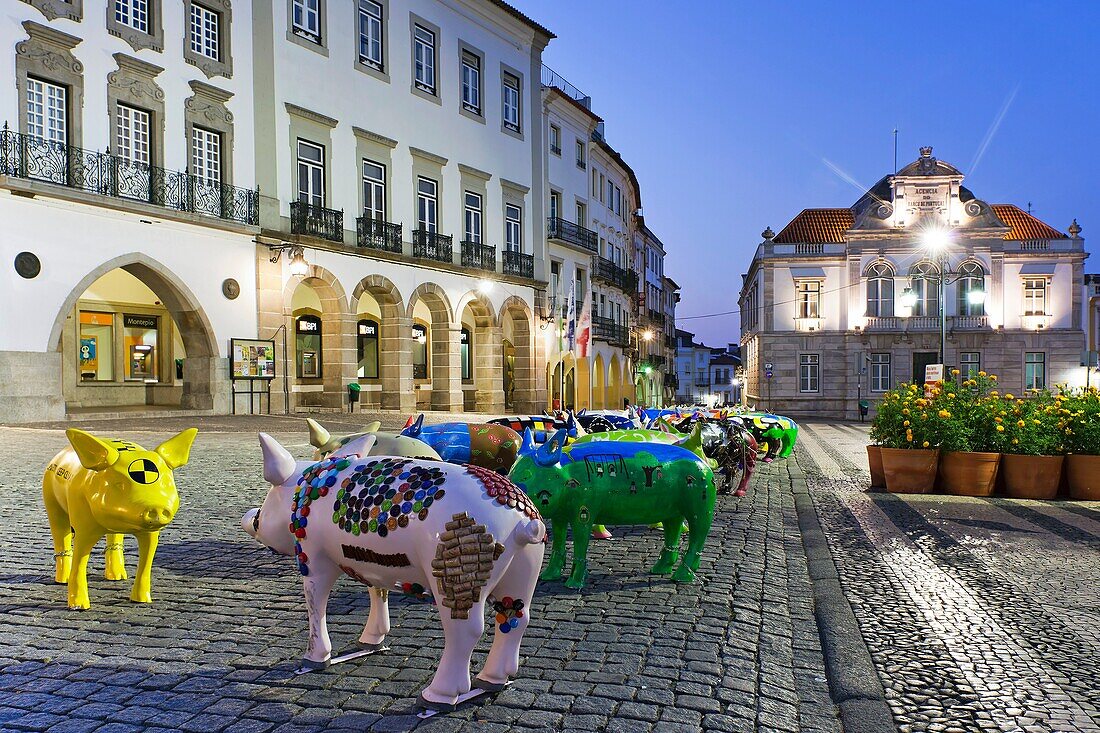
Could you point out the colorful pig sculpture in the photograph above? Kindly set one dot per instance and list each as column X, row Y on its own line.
column 780, row 433
column 612, row 482
column 603, row 421
column 386, row 444
column 481, row 444
column 103, row 487
column 464, row 535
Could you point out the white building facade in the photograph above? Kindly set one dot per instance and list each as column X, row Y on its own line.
column 845, row 303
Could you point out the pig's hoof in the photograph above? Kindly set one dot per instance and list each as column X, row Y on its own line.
column 312, row 664
column 684, row 574
column 369, row 647
column 145, row 597
column 489, row 686
column 118, row 575
column 440, row 705
column 79, row 606
column 575, row 582
column 550, row 574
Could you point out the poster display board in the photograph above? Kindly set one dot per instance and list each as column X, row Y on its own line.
column 252, row 359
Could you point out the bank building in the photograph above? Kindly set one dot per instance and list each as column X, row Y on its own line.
column 843, row 304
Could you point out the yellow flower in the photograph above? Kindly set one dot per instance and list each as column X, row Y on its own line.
column 951, row 395
column 1000, row 428
column 982, row 374
column 1036, row 422
column 906, row 423
column 1019, row 423
column 1009, row 396
column 993, row 377
column 909, row 437
column 994, row 393
column 1015, row 441
column 944, row 414
column 905, row 411
column 926, row 444
column 955, row 371
column 997, row 419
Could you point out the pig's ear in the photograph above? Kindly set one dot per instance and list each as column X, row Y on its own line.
column 279, row 465
column 318, row 436
column 413, row 428
column 527, row 447
column 176, row 450
column 360, row 446
column 549, row 453
column 94, row 454
column 575, row 424
column 373, row 427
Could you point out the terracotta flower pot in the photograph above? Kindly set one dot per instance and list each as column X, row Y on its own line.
column 909, row 471
column 1083, row 477
column 969, row 474
column 874, row 464
column 1031, row 477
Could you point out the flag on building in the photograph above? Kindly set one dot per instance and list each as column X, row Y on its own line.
column 571, row 318
column 584, row 326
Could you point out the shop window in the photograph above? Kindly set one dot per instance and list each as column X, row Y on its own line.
column 420, row 351
column 139, row 336
column 96, row 351
column 368, row 349
column 307, row 338
column 466, row 341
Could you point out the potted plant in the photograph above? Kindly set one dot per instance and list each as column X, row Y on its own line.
column 1032, row 461
column 969, row 456
column 1080, row 421
column 907, row 429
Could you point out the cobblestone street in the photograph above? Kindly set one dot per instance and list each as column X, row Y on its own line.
column 978, row 615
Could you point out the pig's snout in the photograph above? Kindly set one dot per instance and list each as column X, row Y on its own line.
column 156, row 517
column 250, row 522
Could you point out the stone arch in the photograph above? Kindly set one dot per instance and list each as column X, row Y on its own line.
column 394, row 359
column 204, row 374
column 486, row 352
column 516, row 322
column 614, row 384
column 338, row 354
column 599, row 382
column 444, row 362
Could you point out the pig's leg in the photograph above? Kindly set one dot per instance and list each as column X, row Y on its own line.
column 698, row 528
column 558, row 549
column 116, row 563
column 378, row 622
column 317, row 586
column 452, row 677
column 517, row 583
column 673, row 527
column 582, row 534
column 62, row 532
column 84, row 539
column 142, row 591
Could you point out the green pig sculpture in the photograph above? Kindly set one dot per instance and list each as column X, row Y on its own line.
column 617, row 482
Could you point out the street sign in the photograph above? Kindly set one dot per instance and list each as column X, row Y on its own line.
column 768, row 366
column 933, row 373
column 767, row 373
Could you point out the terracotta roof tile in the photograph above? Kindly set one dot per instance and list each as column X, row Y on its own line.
column 1023, row 225
column 817, row 226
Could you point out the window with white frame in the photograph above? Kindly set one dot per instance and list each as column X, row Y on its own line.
column 582, row 214
column 809, row 372
column 424, row 59
column 555, row 205
column 513, row 228
column 370, row 34
column 510, row 101
column 471, row 82
column 970, row 363
column 1035, row 296
column 1035, row 370
column 473, row 217
column 374, row 190
column 924, row 278
column 133, row 13
column 809, row 298
column 582, row 154
column 880, row 291
column 555, row 139
column 47, row 111
column 132, row 141
column 427, row 204
column 880, row 372
column 610, row 195
column 306, row 21
column 205, row 32
column 311, row 173
column 206, row 156
column 971, row 282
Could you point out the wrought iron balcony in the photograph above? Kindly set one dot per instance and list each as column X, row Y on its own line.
column 432, row 246
column 655, row 360
column 479, row 256
column 607, row 271
column 378, row 234
column 656, row 317
column 35, row 159
column 605, row 329
column 316, row 221
column 567, row 231
column 518, row 264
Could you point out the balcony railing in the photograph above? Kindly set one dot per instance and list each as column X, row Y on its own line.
column 656, row 317
column 969, row 323
column 518, row 264
column 377, row 234
column 316, row 221
column 884, row 323
column 922, row 323
column 479, row 256
column 925, row 323
column 35, row 159
column 808, row 325
column 567, row 231
column 432, row 246
column 607, row 271
column 605, row 329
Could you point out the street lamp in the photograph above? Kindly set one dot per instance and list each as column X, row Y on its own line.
column 647, row 334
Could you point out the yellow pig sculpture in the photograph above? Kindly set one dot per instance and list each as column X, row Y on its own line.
column 110, row 487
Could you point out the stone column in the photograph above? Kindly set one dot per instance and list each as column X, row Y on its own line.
column 340, row 359
column 446, row 367
column 270, row 315
column 395, row 362
column 489, row 369
column 530, row 376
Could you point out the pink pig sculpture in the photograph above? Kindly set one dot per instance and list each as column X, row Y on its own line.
column 464, row 535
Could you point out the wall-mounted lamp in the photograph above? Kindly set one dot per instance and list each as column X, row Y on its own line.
column 296, row 258
column 908, row 298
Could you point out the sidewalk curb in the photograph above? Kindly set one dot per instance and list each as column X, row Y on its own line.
column 853, row 681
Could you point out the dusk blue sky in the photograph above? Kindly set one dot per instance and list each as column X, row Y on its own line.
column 728, row 110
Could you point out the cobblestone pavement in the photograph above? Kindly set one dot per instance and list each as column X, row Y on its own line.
column 979, row 614
column 737, row 651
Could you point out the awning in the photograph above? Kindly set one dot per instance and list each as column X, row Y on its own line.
column 1038, row 268
column 808, row 273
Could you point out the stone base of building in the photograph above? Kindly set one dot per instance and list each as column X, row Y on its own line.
column 30, row 387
